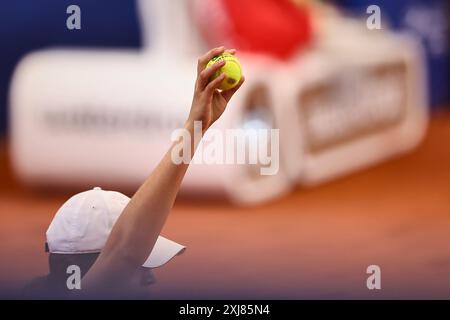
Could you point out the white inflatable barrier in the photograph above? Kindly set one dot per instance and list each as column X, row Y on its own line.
column 105, row 118
column 168, row 29
column 356, row 99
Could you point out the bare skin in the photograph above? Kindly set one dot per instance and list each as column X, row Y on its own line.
column 137, row 229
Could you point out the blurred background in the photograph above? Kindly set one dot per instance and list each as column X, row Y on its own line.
column 358, row 90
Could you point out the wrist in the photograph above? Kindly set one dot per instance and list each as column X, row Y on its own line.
column 195, row 125
column 189, row 125
column 195, row 132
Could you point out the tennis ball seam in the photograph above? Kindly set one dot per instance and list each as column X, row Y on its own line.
column 229, row 82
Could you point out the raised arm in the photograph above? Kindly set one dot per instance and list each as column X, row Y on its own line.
column 137, row 229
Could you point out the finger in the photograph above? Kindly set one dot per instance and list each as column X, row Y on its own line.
column 229, row 93
column 231, row 51
column 213, row 85
column 206, row 74
column 203, row 60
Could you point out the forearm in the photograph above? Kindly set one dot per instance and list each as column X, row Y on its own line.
column 136, row 231
column 146, row 213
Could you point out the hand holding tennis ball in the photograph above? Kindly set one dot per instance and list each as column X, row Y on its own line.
column 213, row 87
column 231, row 69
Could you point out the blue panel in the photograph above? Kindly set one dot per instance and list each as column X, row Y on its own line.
column 427, row 19
column 28, row 25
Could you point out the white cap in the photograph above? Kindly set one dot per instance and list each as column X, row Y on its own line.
column 84, row 222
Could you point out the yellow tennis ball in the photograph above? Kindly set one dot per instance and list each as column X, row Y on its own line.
column 232, row 70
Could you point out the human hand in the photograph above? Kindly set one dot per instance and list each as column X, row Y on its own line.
column 209, row 102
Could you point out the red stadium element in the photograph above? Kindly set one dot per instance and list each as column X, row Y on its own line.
column 275, row 27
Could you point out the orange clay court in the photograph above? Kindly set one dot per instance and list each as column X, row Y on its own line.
column 313, row 243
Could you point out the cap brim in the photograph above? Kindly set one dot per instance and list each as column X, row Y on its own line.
column 163, row 251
